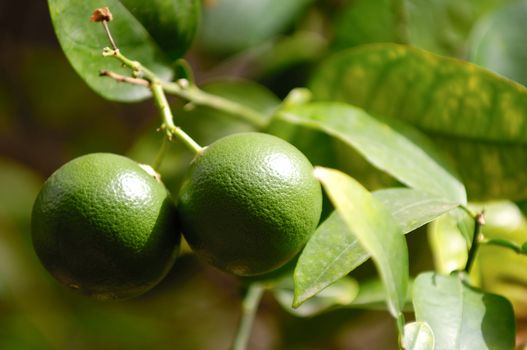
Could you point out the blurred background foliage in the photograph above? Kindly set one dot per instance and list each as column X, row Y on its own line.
column 48, row 116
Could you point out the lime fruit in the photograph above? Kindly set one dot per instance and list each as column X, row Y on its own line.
column 104, row 226
column 249, row 203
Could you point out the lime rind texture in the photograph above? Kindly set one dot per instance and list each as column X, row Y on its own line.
column 249, row 203
column 104, row 226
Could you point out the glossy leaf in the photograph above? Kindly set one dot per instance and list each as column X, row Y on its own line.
column 449, row 246
column 83, row 41
column 331, row 253
column 473, row 114
column 328, row 151
column 340, row 293
column 334, row 251
column 499, row 45
column 233, row 25
column 463, row 317
column 381, row 144
column 376, row 230
column 441, row 26
column 412, row 208
column 171, row 23
column 418, row 336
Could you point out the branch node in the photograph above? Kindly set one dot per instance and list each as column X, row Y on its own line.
column 183, row 83
column 107, row 52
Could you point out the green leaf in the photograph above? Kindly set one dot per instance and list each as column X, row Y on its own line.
column 331, row 253
column 171, row 23
column 462, row 317
column 334, row 251
column 233, row 25
column 498, row 44
column 328, row 151
column 381, row 144
column 412, row 208
column 376, row 230
column 441, row 26
column 449, row 246
column 418, row 336
column 474, row 115
column 340, row 293
column 364, row 21
column 82, row 41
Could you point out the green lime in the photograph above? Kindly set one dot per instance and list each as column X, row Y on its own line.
column 104, row 226
column 249, row 203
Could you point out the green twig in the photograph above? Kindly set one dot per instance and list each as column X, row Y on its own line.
column 189, row 91
column 468, row 211
column 502, row 243
column 182, row 88
column 145, row 77
column 249, row 308
column 168, row 120
column 479, row 220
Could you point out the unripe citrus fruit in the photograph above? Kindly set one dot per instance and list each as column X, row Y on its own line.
column 104, row 226
column 249, row 203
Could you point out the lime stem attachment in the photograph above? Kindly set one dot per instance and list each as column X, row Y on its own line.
column 168, row 120
column 185, row 89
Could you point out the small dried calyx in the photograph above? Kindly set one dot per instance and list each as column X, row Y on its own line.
column 101, row 14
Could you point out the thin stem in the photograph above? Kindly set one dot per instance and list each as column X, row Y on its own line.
column 124, row 79
column 168, row 120
column 479, row 220
column 189, row 91
column 502, row 243
column 249, row 308
column 109, row 34
column 468, row 211
column 197, row 96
